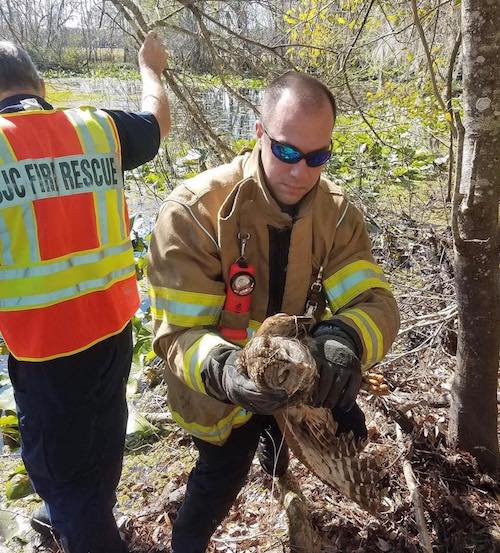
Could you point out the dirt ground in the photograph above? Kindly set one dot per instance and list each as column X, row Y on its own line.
column 460, row 504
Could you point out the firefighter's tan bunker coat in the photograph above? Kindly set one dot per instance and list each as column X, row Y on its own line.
column 194, row 243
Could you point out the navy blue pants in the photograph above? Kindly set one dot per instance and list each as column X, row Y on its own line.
column 213, row 485
column 72, row 417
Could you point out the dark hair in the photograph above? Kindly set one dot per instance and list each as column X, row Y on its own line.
column 309, row 89
column 17, row 71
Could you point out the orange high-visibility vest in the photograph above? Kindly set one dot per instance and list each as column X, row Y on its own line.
column 67, row 275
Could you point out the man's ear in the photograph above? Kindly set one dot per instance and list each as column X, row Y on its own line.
column 43, row 90
column 259, row 128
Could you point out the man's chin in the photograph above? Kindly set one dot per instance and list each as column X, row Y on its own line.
column 290, row 197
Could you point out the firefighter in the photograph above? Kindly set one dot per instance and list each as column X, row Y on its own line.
column 236, row 244
column 68, row 286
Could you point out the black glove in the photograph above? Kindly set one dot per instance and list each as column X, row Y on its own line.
column 351, row 421
column 224, row 381
column 339, row 372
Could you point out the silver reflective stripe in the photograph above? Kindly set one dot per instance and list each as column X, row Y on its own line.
column 88, row 142
column 30, row 225
column 65, row 293
column 103, row 121
column 6, row 155
column 121, row 214
column 51, row 268
column 5, row 241
column 80, row 118
column 102, row 216
column 63, row 171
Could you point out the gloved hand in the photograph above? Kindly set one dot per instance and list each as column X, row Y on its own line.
column 351, row 421
column 339, row 373
column 224, row 381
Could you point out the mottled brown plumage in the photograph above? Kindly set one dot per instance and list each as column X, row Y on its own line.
column 278, row 356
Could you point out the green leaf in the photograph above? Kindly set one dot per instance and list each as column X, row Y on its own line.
column 8, row 421
column 18, row 486
column 20, row 469
column 399, row 171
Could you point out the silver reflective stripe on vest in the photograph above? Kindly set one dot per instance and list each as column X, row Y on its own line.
column 31, row 231
column 119, row 205
column 102, row 216
column 5, row 242
column 53, row 267
column 66, row 293
column 6, row 153
column 69, row 175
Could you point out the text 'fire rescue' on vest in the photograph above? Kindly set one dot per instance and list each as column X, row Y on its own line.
column 31, row 180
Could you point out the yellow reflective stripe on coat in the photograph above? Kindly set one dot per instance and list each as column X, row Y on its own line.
column 194, row 357
column 351, row 281
column 49, row 282
column 373, row 341
column 219, row 432
column 186, row 309
column 252, row 328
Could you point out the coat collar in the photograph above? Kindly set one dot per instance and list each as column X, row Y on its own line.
column 252, row 170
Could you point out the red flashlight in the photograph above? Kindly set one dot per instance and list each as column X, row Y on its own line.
column 238, row 296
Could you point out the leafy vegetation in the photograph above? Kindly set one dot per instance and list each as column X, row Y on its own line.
column 393, row 151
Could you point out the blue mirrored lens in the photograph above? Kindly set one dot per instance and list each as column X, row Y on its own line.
column 318, row 158
column 286, row 153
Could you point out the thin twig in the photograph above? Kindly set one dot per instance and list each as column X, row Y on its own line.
column 416, row 499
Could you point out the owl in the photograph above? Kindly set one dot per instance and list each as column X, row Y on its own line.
column 279, row 356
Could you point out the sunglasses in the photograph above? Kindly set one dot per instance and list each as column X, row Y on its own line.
column 290, row 154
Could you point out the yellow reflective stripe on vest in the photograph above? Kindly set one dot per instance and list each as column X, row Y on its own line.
column 5, row 245
column 351, row 281
column 115, row 215
column 50, row 298
column 64, row 278
column 194, row 357
column 6, row 152
column 7, row 157
column 96, row 134
column 18, row 229
column 373, row 341
column 93, row 129
column 186, row 309
column 219, row 432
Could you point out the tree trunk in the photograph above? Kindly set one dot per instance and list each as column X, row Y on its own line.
column 473, row 413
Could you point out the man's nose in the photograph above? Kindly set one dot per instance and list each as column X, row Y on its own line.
column 297, row 170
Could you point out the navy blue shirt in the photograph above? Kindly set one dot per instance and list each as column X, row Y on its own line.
column 139, row 132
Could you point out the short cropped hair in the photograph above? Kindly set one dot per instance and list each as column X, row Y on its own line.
column 17, row 70
column 309, row 89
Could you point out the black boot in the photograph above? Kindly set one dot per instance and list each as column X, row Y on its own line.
column 272, row 450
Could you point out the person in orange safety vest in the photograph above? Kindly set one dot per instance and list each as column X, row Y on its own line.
column 68, row 288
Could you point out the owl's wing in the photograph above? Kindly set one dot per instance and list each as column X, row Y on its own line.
column 340, row 462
